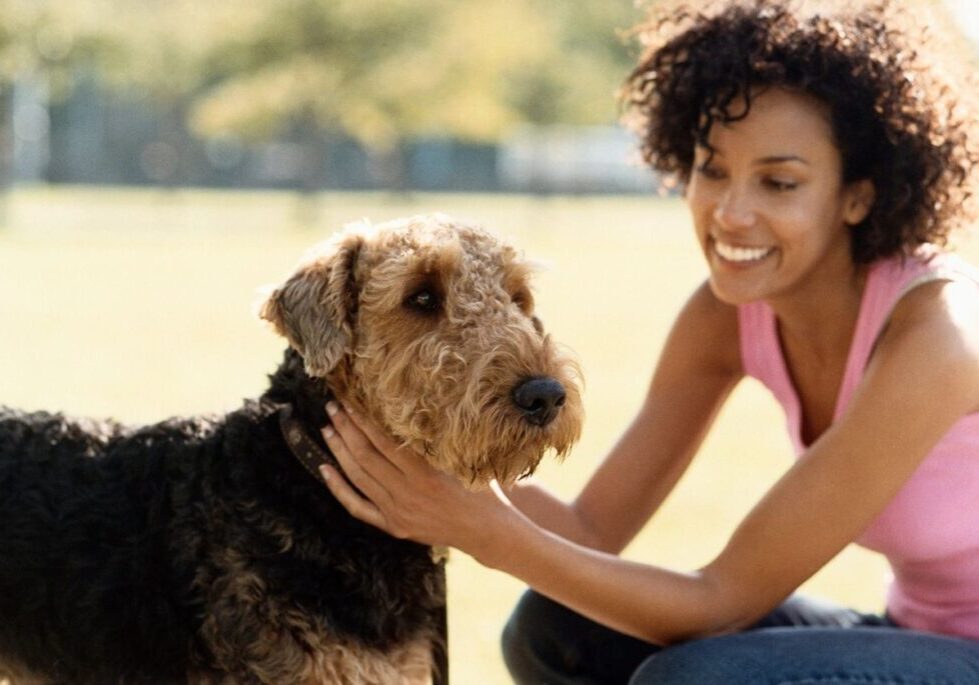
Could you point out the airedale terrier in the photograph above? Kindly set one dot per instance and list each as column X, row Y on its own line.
column 203, row 550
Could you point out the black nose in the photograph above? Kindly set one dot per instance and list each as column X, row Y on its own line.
column 540, row 400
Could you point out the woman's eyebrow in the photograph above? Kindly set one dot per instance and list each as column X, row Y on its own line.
column 779, row 159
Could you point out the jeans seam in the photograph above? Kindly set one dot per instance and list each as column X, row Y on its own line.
column 829, row 679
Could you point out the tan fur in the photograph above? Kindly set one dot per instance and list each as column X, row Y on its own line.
column 442, row 384
column 11, row 674
column 440, row 381
column 258, row 642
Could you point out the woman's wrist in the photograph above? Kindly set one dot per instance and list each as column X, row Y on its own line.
column 494, row 533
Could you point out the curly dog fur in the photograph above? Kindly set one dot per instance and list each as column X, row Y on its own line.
column 200, row 549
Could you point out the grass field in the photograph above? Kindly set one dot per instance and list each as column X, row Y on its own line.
column 139, row 305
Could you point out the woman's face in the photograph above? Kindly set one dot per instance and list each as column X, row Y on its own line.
column 769, row 206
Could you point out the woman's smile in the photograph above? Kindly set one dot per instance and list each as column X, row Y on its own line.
column 741, row 255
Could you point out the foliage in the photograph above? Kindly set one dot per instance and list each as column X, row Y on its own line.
column 381, row 70
column 46, row 40
column 378, row 70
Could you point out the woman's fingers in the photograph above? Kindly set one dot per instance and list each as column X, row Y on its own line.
column 377, row 436
column 352, row 433
column 405, row 459
column 399, row 492
column 368, row 456
column 359, row 507
column 359, row 466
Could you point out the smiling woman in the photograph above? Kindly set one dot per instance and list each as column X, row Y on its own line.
column 824, row 165
column 769, row 205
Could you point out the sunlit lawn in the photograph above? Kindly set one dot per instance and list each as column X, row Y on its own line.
column 139, row 305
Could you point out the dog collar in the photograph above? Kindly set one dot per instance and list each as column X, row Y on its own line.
column 312, row 456
column 303, row 447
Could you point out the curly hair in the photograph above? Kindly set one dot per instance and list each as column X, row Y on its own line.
column 894, row 120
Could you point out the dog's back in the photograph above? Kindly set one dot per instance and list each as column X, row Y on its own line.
column 84, row 573
column 192, row 548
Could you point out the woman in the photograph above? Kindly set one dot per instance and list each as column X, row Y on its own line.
column 822, row 166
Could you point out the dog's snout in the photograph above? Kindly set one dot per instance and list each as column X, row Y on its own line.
column 540, row 399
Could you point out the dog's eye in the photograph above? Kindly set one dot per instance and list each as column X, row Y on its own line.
column 523, row 299
column 424, row 300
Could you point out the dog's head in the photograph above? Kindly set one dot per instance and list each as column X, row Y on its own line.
column 428, row 326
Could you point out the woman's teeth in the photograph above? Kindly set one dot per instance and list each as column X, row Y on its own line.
column 733, row 253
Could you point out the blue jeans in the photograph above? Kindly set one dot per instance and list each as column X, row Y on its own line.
column 803, row 642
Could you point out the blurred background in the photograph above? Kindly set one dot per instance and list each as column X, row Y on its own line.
column 424, row 95
column 312, row 95
column 160, row 160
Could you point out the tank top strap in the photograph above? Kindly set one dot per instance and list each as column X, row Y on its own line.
column 889, row 280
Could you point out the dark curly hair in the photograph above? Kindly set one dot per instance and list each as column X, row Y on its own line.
column 893, row 117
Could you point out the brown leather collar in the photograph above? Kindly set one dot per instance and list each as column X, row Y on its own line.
column 311, row 456
column 303, row 447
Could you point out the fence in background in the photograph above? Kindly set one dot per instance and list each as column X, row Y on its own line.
column 94, row 137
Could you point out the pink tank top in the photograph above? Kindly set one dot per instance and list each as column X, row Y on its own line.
column 929, row 532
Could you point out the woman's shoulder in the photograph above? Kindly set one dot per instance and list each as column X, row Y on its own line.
column 924, row 264
column 932, row 284
column 940, row 302
column 937, row 314
column 928, row 286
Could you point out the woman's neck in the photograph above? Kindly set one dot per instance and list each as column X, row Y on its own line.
column 820, row 318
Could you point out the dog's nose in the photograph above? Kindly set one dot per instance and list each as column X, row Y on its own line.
column 540, row 399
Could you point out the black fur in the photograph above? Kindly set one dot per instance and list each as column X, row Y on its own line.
column 114, row 544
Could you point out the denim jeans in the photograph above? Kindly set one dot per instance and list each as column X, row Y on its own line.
column 803, row 642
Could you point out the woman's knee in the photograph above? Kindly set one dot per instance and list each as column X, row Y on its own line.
column 805, row 655
column 712, row 661
column 530, row 639
column 545, row 642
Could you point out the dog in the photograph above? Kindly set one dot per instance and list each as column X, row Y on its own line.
column 206, row 550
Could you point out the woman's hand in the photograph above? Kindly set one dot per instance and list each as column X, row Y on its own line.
column 400, row 493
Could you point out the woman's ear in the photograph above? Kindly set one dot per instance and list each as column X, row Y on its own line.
column 859, row 199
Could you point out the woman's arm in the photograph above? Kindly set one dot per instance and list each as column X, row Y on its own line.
column 922, row 378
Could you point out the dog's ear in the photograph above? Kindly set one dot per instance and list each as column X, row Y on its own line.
column 314, row 308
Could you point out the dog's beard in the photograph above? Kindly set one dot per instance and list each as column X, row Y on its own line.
column 496, row 443
column 459, row 412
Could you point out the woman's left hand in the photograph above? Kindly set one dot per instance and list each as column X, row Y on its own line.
column 402, row 494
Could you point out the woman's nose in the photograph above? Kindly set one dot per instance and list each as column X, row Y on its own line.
column 735, row 209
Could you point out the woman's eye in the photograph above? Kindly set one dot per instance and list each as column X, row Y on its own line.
column 423, row 300
column 710, row 172
column 780, row 185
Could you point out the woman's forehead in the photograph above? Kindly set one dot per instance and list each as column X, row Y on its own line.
column 779, row 124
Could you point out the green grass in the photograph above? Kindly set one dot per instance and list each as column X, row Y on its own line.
column 139, row 305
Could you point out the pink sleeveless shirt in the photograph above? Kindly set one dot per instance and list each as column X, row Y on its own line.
column 929, row 532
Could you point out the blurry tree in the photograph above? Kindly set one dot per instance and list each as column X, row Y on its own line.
column 161, row 52
column 383, row 71
column 43, row 44
column 588, row 59
column 49, row 39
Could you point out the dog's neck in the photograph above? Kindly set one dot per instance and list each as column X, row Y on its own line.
column 301, row 399
column 290, row 384
column 302, row 446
